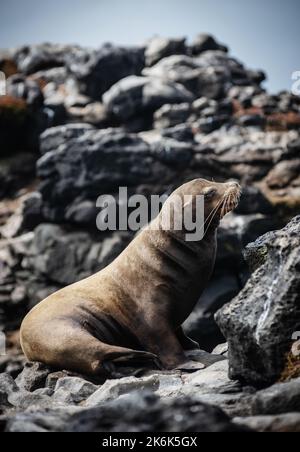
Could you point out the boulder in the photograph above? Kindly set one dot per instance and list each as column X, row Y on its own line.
column 134, row 95
column 200, row 79
column 97, row 70
column 54, row 137
column 260, row 322
column 61, row 257
column 93, row 163
column 204, row 42
column 159, row 48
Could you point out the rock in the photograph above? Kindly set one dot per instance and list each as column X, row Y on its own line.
column 173, row 153
column 221, row 349
column 112, row 389
column 248, row 154
column 72, row 390
column 26, row 217
column 33, row 377
column 283, row 423
column 31, row 59
column 55, row 137
column 159, row 48
column 182, row 132
column 23, row 400
column 172, row 115
column 12, row 364
column 211, row 380
column 198, row 78
column 95, row 163
column 141, row 412
column 97, row 70
column 204, row 42
column 278, row 399
column 7, row 386
column 57, row 75
column 134, row 95
column 94, row 114
column 260, row 321
column 36, row 421
column 53, row 247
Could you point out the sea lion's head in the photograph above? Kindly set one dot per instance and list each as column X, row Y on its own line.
column 219, row 199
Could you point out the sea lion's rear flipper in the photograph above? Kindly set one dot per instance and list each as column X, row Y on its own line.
column 125, row 363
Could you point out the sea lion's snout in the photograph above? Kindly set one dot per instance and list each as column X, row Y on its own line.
column 232, row 196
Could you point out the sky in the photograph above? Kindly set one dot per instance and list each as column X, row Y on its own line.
column 264, row 34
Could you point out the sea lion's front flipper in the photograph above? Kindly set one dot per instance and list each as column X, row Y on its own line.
column 130, row 363
column 190, row 366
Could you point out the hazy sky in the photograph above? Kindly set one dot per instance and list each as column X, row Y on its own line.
column 265, row 34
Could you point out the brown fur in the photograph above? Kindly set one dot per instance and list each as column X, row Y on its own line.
column 134, row 308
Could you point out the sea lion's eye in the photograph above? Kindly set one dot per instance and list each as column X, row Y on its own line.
column 209, row 192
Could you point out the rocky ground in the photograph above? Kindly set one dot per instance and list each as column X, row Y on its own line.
column 77, row 123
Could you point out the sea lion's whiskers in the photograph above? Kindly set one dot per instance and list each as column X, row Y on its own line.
column 212, row 213
column 215, row 212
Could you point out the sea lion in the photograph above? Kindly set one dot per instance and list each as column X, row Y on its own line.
column 134, row 308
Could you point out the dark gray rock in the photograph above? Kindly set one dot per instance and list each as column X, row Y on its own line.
column 172, row 115
column 141, row 412
column 173, row 153
column 31, row 59
column 199, row 78
column 204, row 42
column 73, row 390
column 89, row 165
column 7, row 386
column 33, row 377
column 282, row 423
column 134, row 95
column 53, row 138
column 97, row 70
column 260, row 321
column 278, row 399
column 159, row 47
column 62, row 257
column 182, row 132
